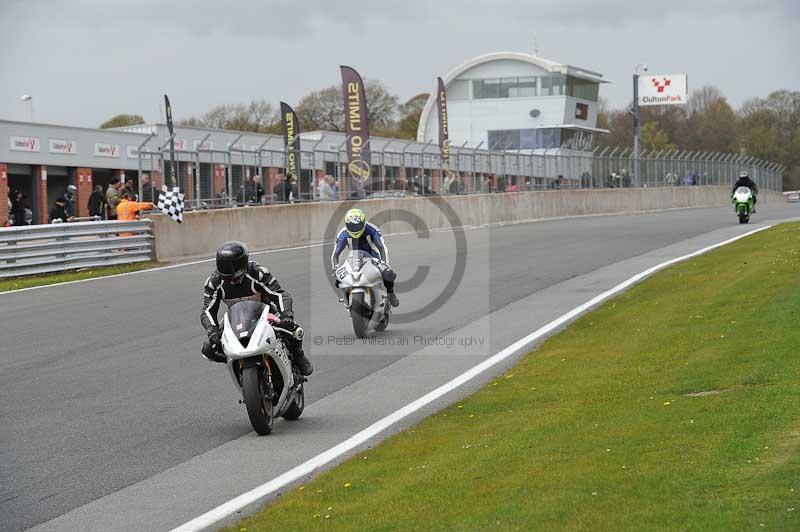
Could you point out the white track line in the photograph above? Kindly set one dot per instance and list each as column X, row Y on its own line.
column 224, row 510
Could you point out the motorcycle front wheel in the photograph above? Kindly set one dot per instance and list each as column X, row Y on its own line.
column 259, row 407
column 743, row 216
column 360, row 314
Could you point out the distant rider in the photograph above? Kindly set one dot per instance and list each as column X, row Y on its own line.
column 359, row 234
column 745, row 181
column 237, row 279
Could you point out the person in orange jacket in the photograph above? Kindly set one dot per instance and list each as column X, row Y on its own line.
column 128, row 209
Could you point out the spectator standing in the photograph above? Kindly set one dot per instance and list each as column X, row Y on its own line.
column 97, row 202
column 222, row 197
column 250, row 192
column 148, row 194
column 446, row 183
column 69, row 199
column 129, row 188
column 258, row 187
column 501, row 184
column 325, row 190
column 293, row 191
column 17, row 209
column 486, row 185
column 113, row 198
column 282, row 189
column 59, row 211
column 454, row 184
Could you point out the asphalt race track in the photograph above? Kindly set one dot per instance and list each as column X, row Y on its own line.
column 110, row 415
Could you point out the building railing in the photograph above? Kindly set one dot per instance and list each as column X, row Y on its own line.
column 409, row 168
column 36, row 249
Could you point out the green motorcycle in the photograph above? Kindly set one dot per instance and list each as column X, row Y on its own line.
column 743, row 204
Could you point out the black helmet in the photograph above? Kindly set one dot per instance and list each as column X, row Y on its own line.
column 232, row 260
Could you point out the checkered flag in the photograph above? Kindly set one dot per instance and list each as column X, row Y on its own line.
column 171, row 203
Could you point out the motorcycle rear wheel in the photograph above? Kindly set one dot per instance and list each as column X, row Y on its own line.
column 259, row 407
column 360, row 314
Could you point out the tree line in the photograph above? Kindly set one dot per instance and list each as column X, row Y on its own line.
column 318, row 110
column 767, row 128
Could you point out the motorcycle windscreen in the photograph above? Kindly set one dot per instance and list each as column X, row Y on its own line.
column 358, row 258
column 243, row 317
column 742, row 191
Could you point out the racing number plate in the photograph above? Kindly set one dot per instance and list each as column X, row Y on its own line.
column 341, row 273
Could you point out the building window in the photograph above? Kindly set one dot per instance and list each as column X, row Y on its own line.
column 524, row 87
column 583, row 89
column 504, row 140
column 525, row 139
column 458, row 90
column 491, row 88
column 477, row 89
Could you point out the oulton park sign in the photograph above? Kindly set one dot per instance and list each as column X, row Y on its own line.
column 664, row 89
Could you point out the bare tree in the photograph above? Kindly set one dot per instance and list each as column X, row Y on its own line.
column 409, row 117
column 324, row 109
column 257, row 116
column 262, row 115
column 217, row 117
column 702, row 98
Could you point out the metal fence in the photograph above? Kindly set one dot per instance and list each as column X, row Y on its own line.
column 411, row 168
column 36, row 249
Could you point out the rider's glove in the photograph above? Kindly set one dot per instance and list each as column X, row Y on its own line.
column 215, row 338
column 287, row 320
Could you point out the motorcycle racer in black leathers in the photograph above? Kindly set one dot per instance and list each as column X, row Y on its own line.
column 237, row 279
column 745, row 181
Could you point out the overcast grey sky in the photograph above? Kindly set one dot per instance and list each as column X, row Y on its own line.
column 86, row 60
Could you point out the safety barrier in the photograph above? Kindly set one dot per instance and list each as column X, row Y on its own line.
column 279, row 226
column 39, row 249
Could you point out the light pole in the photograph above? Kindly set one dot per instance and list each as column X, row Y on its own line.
column 637, row 130
column 28, row 98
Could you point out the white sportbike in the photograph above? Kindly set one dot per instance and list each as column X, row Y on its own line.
column 259, row 364
column 363, row 292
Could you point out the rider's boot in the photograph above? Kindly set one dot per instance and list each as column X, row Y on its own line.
column 302, row 363
column 393, row 301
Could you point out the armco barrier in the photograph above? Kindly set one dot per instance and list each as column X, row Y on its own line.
column 305, row 223
column 35, row 249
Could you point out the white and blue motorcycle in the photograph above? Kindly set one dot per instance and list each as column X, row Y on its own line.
column 363, row 292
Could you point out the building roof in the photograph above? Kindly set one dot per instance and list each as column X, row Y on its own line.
column 541, row 62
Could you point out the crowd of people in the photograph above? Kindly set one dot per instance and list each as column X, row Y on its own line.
column 119, row 201
column 105, row 204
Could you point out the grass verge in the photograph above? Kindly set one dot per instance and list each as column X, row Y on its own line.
column 39, row 280
column 672, row 407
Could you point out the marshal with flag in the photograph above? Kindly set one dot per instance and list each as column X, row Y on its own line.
column 356, row 119
column 291, row 140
